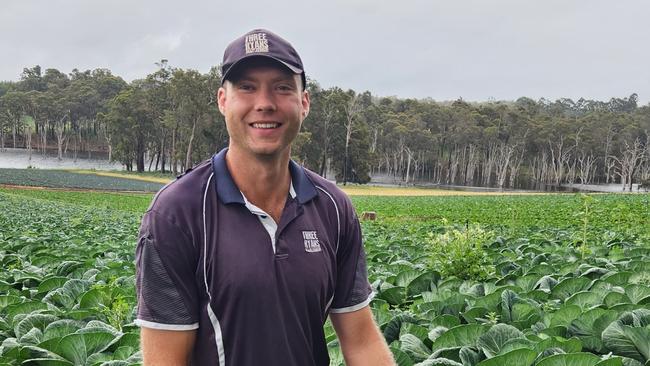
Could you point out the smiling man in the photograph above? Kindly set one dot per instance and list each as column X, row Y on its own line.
column 241, row 260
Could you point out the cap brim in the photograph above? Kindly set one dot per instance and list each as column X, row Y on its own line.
column 239, row 62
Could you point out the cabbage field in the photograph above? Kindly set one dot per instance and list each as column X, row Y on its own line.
column 492, row 280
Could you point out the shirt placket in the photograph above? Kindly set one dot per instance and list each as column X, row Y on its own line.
column 266, row 220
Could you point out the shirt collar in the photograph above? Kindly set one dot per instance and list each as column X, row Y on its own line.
column 301, row 186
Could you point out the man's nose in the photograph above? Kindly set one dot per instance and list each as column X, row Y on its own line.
column 265, row 100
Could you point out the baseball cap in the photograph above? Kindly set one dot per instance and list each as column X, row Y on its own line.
column 264, row 43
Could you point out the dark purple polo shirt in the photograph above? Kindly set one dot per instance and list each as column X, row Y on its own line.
column 258, row 295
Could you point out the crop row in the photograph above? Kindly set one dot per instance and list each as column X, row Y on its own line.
column 66, row 179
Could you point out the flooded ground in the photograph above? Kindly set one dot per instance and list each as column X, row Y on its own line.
column 605, row 188
column 19, row 159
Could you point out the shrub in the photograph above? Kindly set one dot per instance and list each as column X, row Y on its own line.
column 459, row 252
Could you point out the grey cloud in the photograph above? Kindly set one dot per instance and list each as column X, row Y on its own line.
column 473, row 49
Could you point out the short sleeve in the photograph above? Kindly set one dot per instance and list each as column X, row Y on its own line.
column 353, row 291
column 165, row 276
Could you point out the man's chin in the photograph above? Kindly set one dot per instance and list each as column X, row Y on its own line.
column 270, row 153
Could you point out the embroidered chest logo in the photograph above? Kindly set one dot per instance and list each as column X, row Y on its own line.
column 311, row 241
column 256, row 42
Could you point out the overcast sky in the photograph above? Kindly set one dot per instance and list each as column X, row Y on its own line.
column 474, row 49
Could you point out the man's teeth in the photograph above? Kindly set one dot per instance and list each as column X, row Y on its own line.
column 265, row 125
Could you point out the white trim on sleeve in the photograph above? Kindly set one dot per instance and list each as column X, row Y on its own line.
column 152, row 325
column 356, row 307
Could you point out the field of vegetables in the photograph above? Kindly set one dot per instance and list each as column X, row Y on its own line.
column 74, row 180
column 473, row 281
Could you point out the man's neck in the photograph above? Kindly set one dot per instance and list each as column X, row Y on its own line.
column 264, row 182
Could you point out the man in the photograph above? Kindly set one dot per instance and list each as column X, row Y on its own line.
column 241, row 260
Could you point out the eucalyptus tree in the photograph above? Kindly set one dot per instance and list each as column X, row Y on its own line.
column 41, row 109
column 191, row 98
column 55, row 79
column 630, row 159
column 130, row 121
column 60, row 117
column 82, row 100
column 32, row 79
column 214, row 136
column 6, row 86
column 352, row 109
column 55, row 109
column 159, row 99
column 325, row 115
column 4, row 123
column 14, row 104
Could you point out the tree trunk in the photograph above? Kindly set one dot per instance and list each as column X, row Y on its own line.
column 162, row 153
column 472, row 162
column 76, row 145
column 29, row 142
column 488, row 165
column 453, row 162
column 151, row 160
column 44, row 138
column 157, row 159
column 607, row 166
column 60, row 137
column 139, row 153
column 514, row 168
column 502, row 161
column 352, row 108
column 172, row 157
column 409, row 157
column 188, row 156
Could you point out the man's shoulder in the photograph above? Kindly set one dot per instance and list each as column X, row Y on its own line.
column 186, row 191
column 322, row 183
column 330, row 190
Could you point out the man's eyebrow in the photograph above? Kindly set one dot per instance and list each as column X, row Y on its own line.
column 283, row 78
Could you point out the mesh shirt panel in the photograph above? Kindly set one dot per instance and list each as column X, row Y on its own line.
column 166, row 262
column 159, row 300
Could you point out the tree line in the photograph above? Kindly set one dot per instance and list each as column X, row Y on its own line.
column 169, row 121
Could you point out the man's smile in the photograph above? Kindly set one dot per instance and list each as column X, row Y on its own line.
column 265, row 125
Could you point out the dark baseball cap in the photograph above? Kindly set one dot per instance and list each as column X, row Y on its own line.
column 261, row 43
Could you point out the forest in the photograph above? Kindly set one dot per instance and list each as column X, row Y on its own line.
column 168, row 121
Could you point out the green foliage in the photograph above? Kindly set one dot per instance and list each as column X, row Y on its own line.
column 130, row 202
column 546, row 296
column 459, row 252
column 613, row 212
column 69, row 293
column 67, row 285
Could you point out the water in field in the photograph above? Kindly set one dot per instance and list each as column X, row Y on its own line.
column 19, row 159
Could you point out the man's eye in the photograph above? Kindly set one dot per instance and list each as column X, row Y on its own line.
column 245, row 87
column 285, row 87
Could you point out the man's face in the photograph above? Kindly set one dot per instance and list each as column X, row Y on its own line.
column 264, row 106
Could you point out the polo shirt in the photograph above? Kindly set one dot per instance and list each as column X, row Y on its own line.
column 257, row 292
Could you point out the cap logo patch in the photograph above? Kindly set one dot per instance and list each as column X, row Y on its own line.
column 256, row 42
column 311, row 241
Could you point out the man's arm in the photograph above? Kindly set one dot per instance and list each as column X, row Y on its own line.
column 166, row 347
column 361, row 342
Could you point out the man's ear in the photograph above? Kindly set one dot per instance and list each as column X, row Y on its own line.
column 306, row 102
column 221, row 99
